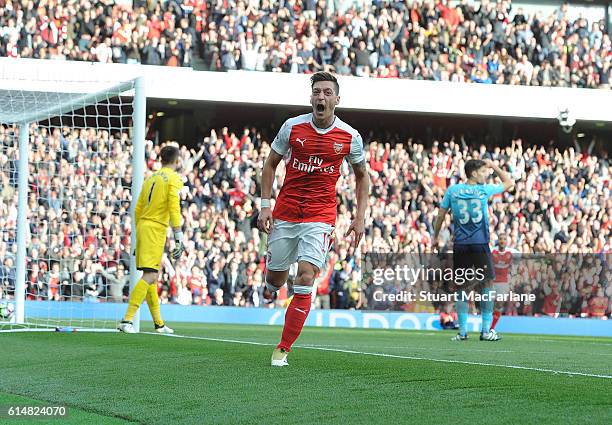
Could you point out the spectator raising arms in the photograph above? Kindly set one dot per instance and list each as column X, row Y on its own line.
column 561, row 204
column 481, row 42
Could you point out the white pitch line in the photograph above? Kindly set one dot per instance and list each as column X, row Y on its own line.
column 394, row 356
column 565, row 341
column 79, row 330
column 469, row 350
column 394, row 347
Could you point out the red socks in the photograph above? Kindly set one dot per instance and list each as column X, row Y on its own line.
column 296, row 315
column 496, row 316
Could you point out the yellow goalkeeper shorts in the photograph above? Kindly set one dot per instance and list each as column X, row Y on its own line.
column 150, row 243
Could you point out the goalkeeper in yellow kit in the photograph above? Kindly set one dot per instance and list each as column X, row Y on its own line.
column 158, row 205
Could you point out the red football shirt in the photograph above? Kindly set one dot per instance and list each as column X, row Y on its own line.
column 598, row 306
column 502, row 260
column 313, row 158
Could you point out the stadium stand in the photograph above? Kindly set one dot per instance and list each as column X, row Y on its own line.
column 489, row 43
column 561, row 205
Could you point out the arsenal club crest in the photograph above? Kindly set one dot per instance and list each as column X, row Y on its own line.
column 338, row 147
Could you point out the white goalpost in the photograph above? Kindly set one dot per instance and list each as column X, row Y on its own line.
column 71, row 161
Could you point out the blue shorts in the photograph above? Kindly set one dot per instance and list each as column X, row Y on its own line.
column 474, row 256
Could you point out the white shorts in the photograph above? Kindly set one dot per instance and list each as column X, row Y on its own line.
column 290, row 242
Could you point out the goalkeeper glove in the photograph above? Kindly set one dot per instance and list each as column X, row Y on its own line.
column 179, row 248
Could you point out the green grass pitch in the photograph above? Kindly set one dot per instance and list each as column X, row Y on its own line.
column 337, row 376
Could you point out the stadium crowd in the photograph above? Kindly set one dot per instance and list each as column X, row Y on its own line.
column 490, row 43
column 80, row 225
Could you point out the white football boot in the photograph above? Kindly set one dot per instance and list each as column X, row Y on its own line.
column 279, row 357
column 126, row 327
column 163, row 329
column 492, row 335
column 459, row 337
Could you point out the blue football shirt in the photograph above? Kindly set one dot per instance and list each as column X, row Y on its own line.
column 469, row 206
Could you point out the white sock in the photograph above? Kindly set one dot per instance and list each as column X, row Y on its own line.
column 271, row 287
column 302, row 289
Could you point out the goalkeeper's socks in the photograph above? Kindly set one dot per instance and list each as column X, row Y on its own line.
column 462, row 316
column 153, row 302
column 136, row 298
column 486, row 309
column 296, row 315
column 496, row 316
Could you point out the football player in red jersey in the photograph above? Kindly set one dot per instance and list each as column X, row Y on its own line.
column 300, row 228
column 502, row 260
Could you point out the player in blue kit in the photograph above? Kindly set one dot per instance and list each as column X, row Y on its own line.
column 469, row 205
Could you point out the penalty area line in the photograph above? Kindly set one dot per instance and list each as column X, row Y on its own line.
column 393, row 356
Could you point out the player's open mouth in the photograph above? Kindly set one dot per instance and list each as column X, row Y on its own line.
column 320, row 107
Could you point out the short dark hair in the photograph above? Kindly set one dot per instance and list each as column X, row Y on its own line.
column 472, row 165
column 169, row 154
column 324, row 76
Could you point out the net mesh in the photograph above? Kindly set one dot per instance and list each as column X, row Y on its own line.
column 78, row 202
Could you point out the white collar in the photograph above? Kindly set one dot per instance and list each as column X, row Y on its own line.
column 322, row 130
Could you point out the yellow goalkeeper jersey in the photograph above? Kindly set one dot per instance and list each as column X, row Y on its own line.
column 159, row 200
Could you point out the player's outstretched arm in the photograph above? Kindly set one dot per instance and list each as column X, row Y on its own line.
column 264, row 221
column 362, row 183
column 505, row 177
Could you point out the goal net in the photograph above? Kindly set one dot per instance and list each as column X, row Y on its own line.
column 71, row 158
